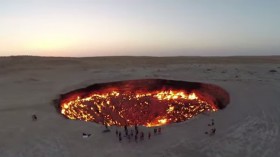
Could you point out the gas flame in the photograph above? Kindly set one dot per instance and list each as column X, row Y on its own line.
column 155, row 108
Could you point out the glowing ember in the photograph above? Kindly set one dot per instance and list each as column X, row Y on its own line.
column 139, row 102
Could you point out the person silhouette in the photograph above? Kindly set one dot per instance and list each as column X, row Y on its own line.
column 136, row 138
column 120, row 136
column 159, row 130
column 155, row 131
column 142, row 136
column 34, row 117
column 131, row 133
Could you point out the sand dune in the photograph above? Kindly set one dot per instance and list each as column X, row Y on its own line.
column 248, row 126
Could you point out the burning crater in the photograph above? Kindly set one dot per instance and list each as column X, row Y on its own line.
column 147, row 102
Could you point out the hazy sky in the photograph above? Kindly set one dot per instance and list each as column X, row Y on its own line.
column 139, row 27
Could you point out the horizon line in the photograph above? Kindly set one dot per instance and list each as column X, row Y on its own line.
column 108, row 56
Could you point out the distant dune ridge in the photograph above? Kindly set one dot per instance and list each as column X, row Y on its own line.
column 248, row 126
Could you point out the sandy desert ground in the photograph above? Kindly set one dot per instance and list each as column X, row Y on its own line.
column 248, row 127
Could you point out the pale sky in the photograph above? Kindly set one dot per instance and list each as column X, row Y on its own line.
column 139, row 27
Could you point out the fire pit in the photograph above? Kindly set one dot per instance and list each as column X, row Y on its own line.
column 147, row 102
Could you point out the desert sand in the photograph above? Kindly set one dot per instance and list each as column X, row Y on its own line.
column 248, row 126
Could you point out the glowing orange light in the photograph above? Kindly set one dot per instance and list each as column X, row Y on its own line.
column 147, row 102
column 127, row 108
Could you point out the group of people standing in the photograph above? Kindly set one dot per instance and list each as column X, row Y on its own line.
column 135, row 134
column 213, row 129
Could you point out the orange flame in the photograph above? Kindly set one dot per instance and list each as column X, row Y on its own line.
column 149, row 109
